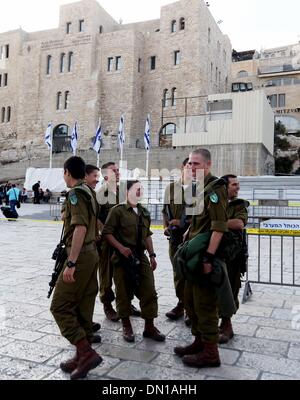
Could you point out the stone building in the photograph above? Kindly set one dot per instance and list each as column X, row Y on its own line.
column 277, row 71
column 91, row 67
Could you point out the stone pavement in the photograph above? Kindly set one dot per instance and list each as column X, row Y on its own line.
column 266, row 345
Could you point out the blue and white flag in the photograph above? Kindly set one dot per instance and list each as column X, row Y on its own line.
column 147, row 134
column 48, row 136
column 121, row 134
column 74, row 139
column 97, row 140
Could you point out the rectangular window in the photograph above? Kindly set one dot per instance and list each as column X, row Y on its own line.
column 0, row 80
column 7, row 51
column 177, row 57
column 68, row 27
column 5, row 80
column 81, row 25
column 139, row 65
column 273, row 100
column 110, row 62
column 219, row 110
column 49, row 58
column 118, row 63
column 8, row 116
column 281, row 100
column 152, row 63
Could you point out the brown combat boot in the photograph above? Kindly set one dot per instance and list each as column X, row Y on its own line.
column 208, row 357
column 110, row 313
column 88, row 359
column 176, row 312
column 193, row 348
column 70, row 365
column 127, row 330
column 225, row 331
column 151, row 332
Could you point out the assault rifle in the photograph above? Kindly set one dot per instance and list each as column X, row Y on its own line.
column 60, row 257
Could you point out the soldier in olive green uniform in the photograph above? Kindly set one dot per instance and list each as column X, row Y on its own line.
column 76, row 289
column 176, row 222
column 127, row 230
column 237, row 220
column 108, row 197
column 200, row 296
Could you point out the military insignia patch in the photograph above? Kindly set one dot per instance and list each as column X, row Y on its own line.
column 214, row 198
column 73, row 199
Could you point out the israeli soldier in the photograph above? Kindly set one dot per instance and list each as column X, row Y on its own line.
column 237, row 220
column 77, row 286
column 200, row 295
column 176, row 222
column 127, row 230
column 108, row 197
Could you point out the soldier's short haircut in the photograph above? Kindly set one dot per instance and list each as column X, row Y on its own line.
column 204, row 153
column 76, row 167
column 227, row 177
column 90, row 168
column 108, row 164
column 185, row 162
column 131, row 183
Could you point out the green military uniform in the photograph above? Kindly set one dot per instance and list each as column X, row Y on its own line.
column 106, row 200
column 200, row 296
column 73, row 304
column 237, row 209
column 174, row 208
column 122, row 223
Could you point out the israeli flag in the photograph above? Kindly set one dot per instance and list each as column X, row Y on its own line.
column 74, row 139
column 147, row 134
column 48, row 136
column 97, row 140
column 121, row 134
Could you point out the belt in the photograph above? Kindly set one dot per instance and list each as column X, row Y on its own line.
column 84, row 249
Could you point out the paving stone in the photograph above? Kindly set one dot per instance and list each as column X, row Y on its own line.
column 127, row 370
column 294, row 351
column 257, row 345
column 26, row 323
column 279, row 334
column 231, row 372
column 55, row 340
column 116, row 338
column 259, row 311
column 166, row 347
column 14, row 308
column 28, row 336
column 35, row 352
column 276, row 365
column 126, row 354
column 282, row 313
column 239, row 318
column 274, row 323
column 4, row 340
column 11, row 369
column 276, row 377
column 245, row 329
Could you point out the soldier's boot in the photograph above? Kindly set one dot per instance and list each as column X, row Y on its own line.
column 151, row 332
column 225, row 331
column 110, row 313
column 177, row 312
column 194, row 348
column 70, row 365
column 208, row 357
column 134, row 311
column 127, row 330
column 88, row 359
column 94, row 339
column 96, row 327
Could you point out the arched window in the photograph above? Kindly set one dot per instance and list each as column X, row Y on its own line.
column 165, row 98
column 182, row 24
column 100, row 29
column 70, row 61
column 62, row 62
column 242, row 74
column 49, row 60
column 61, row 139
column 8, row 114
column 3, row 114
column 173, row 98
column 67, row 100
column 173, row 26
column 58, row 100
column 169, row 129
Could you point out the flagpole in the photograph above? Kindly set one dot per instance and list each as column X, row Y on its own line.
column 147, row 165
column 98, row 154
column 51, row 150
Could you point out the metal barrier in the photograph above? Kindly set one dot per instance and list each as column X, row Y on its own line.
column 55, row 211
column 274, row 259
